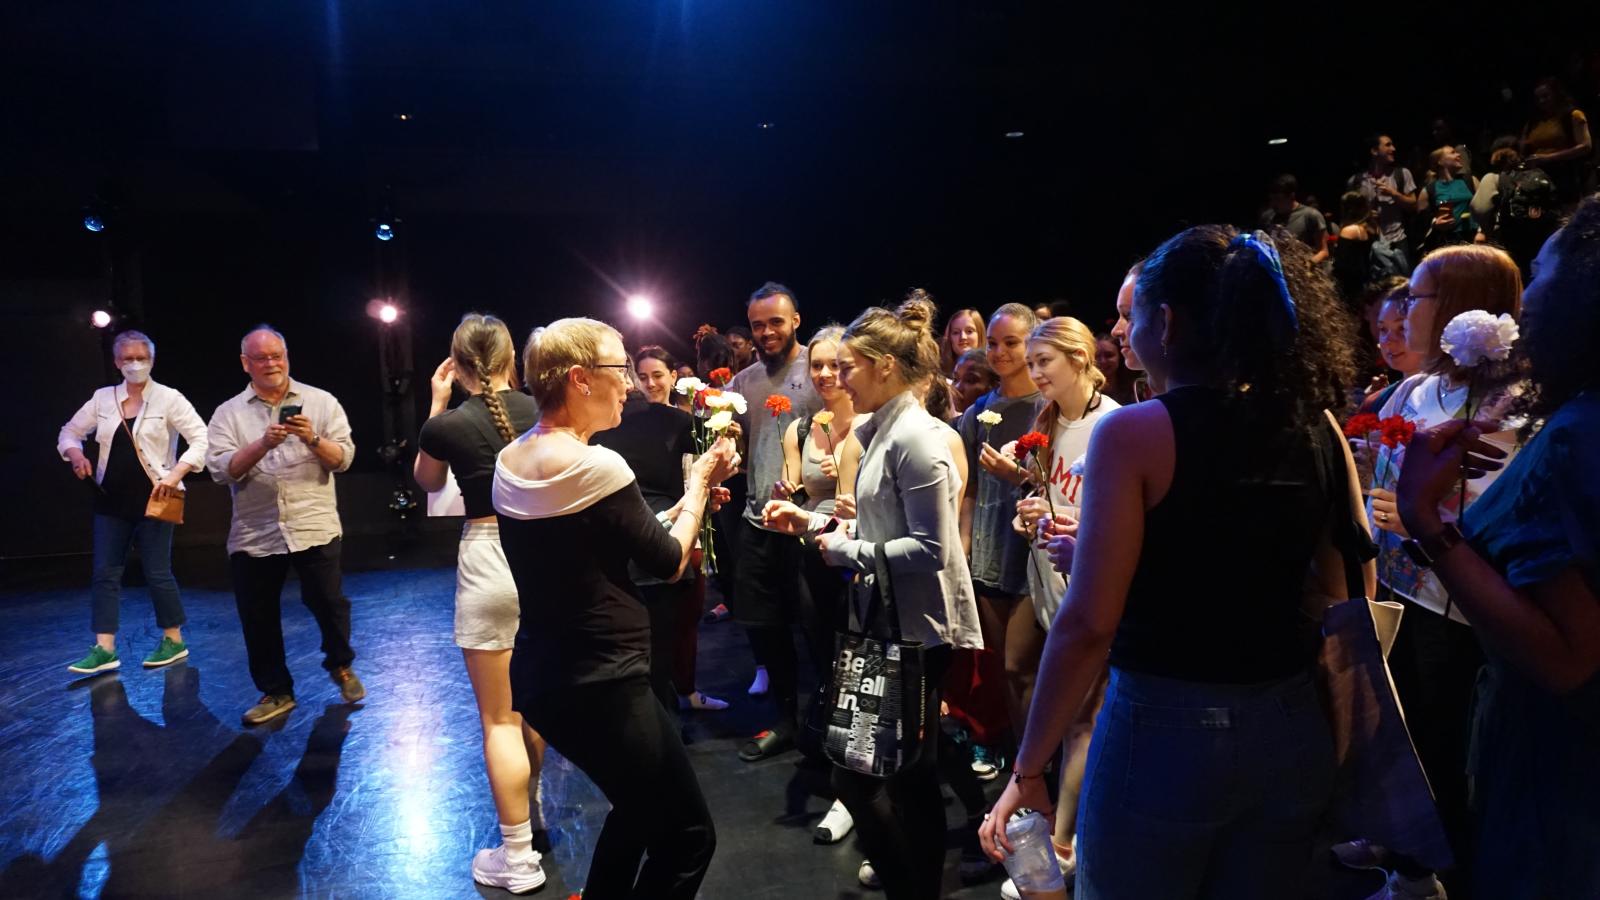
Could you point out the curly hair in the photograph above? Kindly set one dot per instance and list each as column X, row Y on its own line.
column 1561, row 327
column 1237, row 333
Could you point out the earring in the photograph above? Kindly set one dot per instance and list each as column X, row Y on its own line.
column 586, row 390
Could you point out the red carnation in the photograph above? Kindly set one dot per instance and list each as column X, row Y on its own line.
column 720, row 377
column 1031, row 442
column 1361, row 425
column 778, row 404
column 1396, row 431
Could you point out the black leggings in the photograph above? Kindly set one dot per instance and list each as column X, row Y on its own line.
column 901, row 819
column 619, row 735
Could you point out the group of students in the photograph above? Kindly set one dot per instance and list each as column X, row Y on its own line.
column 1125, row 607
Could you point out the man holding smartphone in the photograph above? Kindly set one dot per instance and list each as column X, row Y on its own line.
column 277, row 446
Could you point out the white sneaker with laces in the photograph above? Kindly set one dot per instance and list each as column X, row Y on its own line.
column 491, row 868
column 835, row 825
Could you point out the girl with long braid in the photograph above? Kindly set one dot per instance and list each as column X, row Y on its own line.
column 466, row 440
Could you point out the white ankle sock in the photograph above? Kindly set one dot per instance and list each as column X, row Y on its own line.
column 518, row 840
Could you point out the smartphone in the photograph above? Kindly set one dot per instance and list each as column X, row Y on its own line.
column 284, row 412
column 833, row 524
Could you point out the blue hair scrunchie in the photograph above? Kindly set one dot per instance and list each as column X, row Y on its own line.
column 1267, row 255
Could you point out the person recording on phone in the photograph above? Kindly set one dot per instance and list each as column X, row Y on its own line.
column 277, row 446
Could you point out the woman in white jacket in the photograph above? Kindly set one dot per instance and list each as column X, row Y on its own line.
column 137, row 424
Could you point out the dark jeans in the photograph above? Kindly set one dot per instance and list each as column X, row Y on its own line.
column 1203, row 790
column 257, row 590
column 901, row 819
column 112, row 537
column 1435, row 663
column 619, row 735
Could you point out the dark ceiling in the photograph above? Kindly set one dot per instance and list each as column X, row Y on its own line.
column 552, row 156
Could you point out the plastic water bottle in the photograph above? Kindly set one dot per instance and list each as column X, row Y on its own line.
column 1032, row 864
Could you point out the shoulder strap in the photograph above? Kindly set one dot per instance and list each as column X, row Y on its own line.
column 143, row 463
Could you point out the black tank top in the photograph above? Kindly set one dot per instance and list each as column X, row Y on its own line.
column 1217, row 593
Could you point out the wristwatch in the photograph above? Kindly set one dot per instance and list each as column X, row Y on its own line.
column 315, row 439
column 1426, row 550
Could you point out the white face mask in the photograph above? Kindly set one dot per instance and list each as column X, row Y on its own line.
column 136, row 372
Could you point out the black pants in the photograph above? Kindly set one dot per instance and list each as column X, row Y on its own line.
column 769, row 598
column 1435, row 662
column 901, row 819
column 619, row 735
column 257, row 591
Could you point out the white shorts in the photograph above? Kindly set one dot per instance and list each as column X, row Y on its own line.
column 487, row 610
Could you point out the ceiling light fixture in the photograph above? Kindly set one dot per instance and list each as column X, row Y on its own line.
column 1277, row 142
column 1013, row 134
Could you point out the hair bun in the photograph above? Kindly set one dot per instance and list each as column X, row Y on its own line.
column 917, row 311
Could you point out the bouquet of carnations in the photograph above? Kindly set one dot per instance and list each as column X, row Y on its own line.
column 713, row 409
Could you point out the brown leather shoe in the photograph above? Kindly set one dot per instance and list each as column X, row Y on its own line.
column 350, row 687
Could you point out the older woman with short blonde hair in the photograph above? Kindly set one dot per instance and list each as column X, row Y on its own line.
column 572, row 517
column 137, row 424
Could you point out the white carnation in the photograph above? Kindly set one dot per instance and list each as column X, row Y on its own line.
column 1078, row 466
column 719, row 422
column 727, row 400
column 691, row 385
column 989, row 417
column 1475, row 336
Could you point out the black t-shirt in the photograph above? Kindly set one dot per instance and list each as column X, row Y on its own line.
column 1224, row 605
column 465, row 437
column 583, row 620
column 653, row 438
column 125, row 489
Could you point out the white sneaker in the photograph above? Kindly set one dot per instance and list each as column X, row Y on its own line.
column 758, row 687
column 491, row 868
column 867, row 875
column 701, row 702
column 835, row 825
column 1399, row 887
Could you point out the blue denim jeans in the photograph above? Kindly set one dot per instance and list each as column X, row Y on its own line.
column 1198, row 790
column 112, row 538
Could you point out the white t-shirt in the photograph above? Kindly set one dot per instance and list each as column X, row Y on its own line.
column 1069, row 441
column 1426, row 401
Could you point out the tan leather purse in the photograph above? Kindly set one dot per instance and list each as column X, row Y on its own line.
column 166, row 509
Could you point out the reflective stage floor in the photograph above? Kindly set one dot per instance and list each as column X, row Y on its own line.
column 143, row 783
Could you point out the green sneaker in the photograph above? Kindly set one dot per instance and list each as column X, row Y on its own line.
column 166, row 653
column 99, row 660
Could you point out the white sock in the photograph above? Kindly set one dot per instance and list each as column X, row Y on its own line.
column 518, row 840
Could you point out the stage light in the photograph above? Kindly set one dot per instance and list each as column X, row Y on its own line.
column 384, row 231
column 1277, row 142
column 100, row 319
column 388, row 313
column 766, row 126
column 94, row 223
column 641, row 307
column 1013, row 134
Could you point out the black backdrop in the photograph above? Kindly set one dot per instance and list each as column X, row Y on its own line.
column 549, row 159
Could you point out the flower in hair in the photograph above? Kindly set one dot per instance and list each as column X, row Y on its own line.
column 1476, row 336
column 778, row 404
